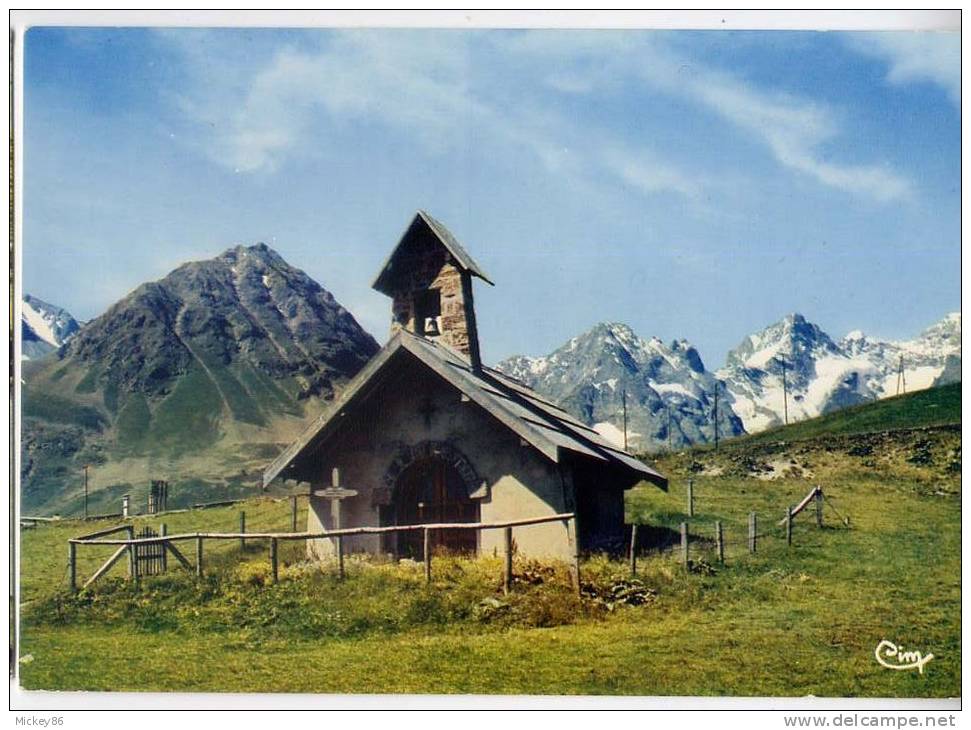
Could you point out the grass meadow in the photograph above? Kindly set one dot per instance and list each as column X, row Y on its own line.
column 784, row 621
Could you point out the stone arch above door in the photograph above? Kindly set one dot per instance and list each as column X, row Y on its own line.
column 405, row 455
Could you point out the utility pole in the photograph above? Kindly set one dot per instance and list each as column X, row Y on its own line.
column 670, row 436
column 85, row 491
column 624, row 397
column 901, row 380
column 785, row 394
column 716, row 415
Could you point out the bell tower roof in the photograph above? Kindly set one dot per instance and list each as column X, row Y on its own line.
column 423, row 226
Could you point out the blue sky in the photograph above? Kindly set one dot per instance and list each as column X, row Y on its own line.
column 691, row 184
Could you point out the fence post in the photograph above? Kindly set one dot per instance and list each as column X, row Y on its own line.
column 507, row 572
column 633, row 550
column 131, row 553
column 684, row 545
column 163, row 530
column 789, row 526
column 753, row 522
column 720, row 541
column 428, row 555
column 242, row 529
column 199, row 555
column 819, row 506
column 274, row 565
column 134, row 565
column 340, row 557
column 691, row 498
column 293, row 513
column 72, row 566
column 576, row 553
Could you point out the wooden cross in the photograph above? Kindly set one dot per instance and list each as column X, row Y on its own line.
column 335, row 493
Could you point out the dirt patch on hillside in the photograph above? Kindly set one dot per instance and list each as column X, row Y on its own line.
column 926, row 453
column 783, row 469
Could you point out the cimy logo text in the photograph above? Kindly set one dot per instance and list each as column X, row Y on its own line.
column 892, row 656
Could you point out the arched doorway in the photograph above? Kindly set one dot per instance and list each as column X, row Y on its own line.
column 432, row 490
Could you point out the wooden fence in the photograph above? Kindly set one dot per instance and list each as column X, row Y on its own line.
column 753, row 536
column 152, row 549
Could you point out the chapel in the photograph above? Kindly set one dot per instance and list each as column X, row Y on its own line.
column 426, row 433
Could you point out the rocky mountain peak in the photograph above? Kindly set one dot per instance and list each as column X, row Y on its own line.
column 822, row 375
column 245, row 306
column 258, row 253
column 667, row 388
column 44, row 327
column 793, row 342
column 946, row 332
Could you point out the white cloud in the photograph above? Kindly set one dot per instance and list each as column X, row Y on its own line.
column 792, row 128
column 421, row 84
column 416, row 83
column 650, row 175
column 420, row 89
column 917, row 58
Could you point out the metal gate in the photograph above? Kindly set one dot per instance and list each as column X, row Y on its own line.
column 150, row 556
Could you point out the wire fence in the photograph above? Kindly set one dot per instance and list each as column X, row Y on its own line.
column 696, row 542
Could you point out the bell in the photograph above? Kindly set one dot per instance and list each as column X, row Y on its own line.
column 431, row 327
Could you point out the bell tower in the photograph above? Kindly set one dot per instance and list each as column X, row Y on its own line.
column 429, row 279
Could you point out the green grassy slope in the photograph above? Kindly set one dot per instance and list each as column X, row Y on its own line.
column 205, row 449
column 782, row 622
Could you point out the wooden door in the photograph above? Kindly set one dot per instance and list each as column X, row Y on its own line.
column 432, row 491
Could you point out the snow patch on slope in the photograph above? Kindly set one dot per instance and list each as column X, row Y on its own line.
column 614, row 434
column 42, row 325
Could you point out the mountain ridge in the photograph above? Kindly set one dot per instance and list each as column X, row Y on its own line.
column 822, row 374
column 197, row 377
column 669, row 393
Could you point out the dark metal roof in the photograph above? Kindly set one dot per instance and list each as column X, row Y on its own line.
column 543, row 425
column 462, row 257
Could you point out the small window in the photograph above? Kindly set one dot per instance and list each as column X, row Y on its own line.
column 428, row 312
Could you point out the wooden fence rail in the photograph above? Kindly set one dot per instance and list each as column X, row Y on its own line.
column 133, row 545
column 344, row 532
column 110, row 531
column 816, row 493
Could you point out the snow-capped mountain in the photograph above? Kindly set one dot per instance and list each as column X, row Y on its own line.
column 823, row 375
column 589, row 374
column 670, row 395
column 924, row 358
column 44, row 327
